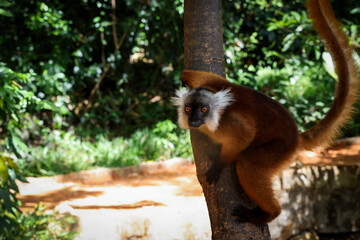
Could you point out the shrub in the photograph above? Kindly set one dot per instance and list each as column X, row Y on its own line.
column 40, row 225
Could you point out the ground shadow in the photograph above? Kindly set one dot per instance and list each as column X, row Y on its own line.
column 54, row 198
column 140, row 204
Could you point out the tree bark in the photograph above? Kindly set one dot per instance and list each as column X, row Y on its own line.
column 204, row 51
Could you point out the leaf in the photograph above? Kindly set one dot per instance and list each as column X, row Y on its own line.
column 13, row 185
column 13, row 115
column 78, row 53
column 45, row 104
column 18, row 145
column 5, row 13
column 329, row 64
column 4, row 3
column 96, row 19
column 11, row 163
column 5, row 195
column 296, row 15
column 355, row 11
column 4, row 175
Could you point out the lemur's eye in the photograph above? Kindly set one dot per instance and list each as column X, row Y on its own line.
column 187, row 109
column 204, row 109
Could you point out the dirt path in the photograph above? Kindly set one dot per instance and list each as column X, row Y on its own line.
column 163, row 205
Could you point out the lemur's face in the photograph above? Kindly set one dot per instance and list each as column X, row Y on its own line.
column 200, row 106
column 197, row 107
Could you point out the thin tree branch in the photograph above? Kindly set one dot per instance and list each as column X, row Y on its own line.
column 84, row 106
column 103, row 60
column 113, row 15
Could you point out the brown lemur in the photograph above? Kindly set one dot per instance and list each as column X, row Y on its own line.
column 256, row 131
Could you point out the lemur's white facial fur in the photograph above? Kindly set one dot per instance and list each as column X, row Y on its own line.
column 195, row 100
column 179, row 101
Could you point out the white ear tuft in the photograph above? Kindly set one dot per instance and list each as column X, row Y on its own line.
column 179, row 101
column 180, row 95
column 223, row 98
column 220, row 101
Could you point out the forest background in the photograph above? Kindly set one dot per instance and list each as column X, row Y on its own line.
column 88, row 83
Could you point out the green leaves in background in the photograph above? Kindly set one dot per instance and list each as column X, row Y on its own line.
column 17, row 101
column 3, row 5
column 74, row 62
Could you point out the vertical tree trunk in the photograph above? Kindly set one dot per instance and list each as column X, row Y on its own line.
column 204, row 51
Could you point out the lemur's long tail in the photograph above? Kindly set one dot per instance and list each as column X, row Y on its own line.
column 336, row 42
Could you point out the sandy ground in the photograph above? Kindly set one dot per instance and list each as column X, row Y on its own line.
column 165, row 205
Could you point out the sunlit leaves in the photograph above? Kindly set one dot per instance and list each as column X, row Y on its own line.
column 6, row 162
column 329, row 64
column 302, row 87
column 50, row 19
column 8, row 191
column 16, row 100
column 4, row 175
column 3, row 11
column 101, row 24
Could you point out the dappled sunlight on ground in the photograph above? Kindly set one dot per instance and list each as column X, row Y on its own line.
column 52, row 192
column 161, row 205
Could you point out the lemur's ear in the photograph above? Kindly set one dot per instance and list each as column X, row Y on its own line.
column 219, row 102
column 223, row 98
column 179, row 98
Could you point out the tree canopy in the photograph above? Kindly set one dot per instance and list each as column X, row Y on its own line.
column 135, row 50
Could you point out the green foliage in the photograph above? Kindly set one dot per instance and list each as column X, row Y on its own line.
column 3, row 5
column 78, row 49
column 15, row 101
column 306, row 97
column 63, row 152
column 139, row 77
column 8, row 190
column 272, row 47
column 40, row 225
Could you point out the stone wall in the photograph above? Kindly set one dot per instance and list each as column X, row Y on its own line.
column 321, row 198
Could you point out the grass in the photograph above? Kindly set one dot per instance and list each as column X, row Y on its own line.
column 63, row 152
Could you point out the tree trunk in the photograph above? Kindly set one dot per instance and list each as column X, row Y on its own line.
column 204, row 51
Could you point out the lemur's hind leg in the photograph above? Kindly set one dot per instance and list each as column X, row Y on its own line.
column 258, row 186
column 255, row 169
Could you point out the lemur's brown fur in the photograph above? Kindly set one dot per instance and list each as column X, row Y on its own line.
column 261, row 136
